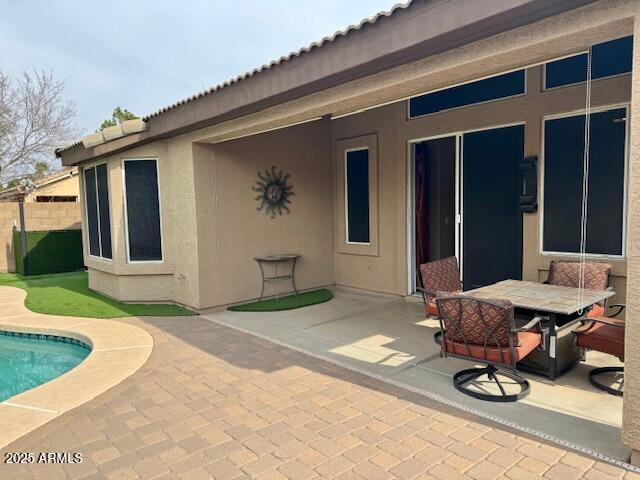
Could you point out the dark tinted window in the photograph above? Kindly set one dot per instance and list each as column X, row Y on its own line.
column 608, row 59
column 143, row 210
column 612, row 58
column 103, row 210
column 357, row 172
column 566, row 71
column 492, row 88
column 563, row 177
column 93, row 229
column 97, row 206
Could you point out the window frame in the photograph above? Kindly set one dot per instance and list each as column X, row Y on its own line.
column 86, row 210
column 526, row 86
column 126, row 217
column 595, row 256
column 582, row 52
column 346, row 193
column 53, row 197
column 342, row 146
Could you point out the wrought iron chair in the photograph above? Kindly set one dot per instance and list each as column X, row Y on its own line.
column 604, row 334
column 597, row 276
column 484, row 331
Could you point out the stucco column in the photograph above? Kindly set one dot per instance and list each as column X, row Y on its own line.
column 631, row 409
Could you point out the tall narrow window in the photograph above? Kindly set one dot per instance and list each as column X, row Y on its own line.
column 357, row 195
column 96, row 189
column 144, row 237
column 563, row 179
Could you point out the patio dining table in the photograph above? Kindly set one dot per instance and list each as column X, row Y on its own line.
column 560, row 307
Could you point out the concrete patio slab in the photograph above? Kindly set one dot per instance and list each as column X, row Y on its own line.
column 390, row 339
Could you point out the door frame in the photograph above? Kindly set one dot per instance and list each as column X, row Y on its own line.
column 459, row 195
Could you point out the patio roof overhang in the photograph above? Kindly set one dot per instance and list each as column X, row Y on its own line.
column 409, row 34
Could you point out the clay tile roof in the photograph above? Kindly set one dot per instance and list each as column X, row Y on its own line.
column 59, row 150
column 282, row 60
column 273, row 64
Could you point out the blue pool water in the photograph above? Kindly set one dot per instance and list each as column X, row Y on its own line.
column 26, row 362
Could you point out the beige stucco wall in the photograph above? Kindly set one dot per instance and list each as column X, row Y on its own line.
column 385, row 271
column 234, row 231
column 631, row 410
column 388, row 271
column 65, row 187
column 208, row 261
column 209, row 242
column 175, row 278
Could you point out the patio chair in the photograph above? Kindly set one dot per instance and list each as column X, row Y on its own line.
column 439, row 277
column 606, row 335
column 484, row 331
column 597, row 276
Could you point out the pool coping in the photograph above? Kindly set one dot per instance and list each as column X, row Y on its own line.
column 118, row 350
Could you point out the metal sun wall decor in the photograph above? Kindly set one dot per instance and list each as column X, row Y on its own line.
column 274, row 192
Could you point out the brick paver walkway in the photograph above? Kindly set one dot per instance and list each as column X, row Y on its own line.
column 213, row 402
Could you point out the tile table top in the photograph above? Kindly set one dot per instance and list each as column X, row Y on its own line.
column 540, row 296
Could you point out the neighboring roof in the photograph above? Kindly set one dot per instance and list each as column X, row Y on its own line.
column 54, row 177
column 404, row 33
column 57, row 176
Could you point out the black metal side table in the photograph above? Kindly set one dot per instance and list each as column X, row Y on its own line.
column 275, row 260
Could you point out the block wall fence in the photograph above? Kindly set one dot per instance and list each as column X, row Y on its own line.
column 38, row 217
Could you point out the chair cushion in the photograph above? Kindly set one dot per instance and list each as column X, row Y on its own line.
column 526, row 342
column 441, row 276
column 596, row 311
column 477, row 321
column 567, row 274
column 602, row 338
column 431, row 309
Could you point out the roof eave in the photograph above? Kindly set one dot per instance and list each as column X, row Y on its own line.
column 420, row 30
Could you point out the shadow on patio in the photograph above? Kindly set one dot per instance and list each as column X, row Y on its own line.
column 390, row 339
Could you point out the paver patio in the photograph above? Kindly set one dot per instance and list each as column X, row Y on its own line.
column 213, row 402
column 390, row 339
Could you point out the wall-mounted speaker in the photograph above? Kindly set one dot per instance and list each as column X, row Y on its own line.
column 528, row 200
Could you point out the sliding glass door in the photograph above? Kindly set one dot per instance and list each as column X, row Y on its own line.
column 466, row 192
column 491, row 217
column 435, row 199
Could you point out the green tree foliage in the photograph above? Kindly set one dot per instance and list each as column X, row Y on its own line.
column 118, row 116
column 41, row 169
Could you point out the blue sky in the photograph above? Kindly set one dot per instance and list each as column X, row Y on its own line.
column 144, row 54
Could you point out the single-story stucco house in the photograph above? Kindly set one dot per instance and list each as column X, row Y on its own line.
column 173, row 208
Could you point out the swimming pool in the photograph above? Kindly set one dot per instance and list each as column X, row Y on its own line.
column 28, row 360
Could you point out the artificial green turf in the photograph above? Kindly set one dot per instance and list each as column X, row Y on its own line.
column 52, row 251
column 69, row 294
column 286, row 303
